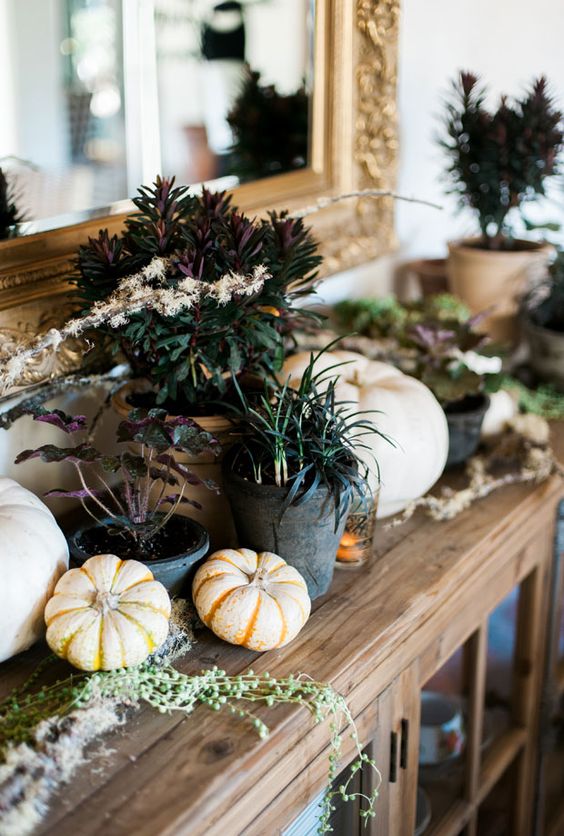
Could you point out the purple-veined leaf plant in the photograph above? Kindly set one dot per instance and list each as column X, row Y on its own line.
column 138, row 489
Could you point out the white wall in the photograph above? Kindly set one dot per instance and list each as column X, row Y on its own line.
column 508, row 42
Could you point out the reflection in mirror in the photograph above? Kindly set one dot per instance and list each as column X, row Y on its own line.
column 98, row 96
column 232, row 87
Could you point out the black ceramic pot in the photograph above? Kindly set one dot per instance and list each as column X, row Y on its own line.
column 546, row 352
column 464, row 419
column 304, row 536
column 174, row 571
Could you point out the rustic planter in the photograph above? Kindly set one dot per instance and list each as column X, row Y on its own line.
column 464, row 427
column 174, row 571
column 304, row 536
column 495, row 279
column 215, row 515
column 546, row 352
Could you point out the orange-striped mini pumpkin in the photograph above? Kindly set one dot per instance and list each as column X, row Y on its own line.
column 255, row 600
column 108, row 614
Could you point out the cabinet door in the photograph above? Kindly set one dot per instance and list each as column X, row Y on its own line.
column 395, row 748
column 390, row 725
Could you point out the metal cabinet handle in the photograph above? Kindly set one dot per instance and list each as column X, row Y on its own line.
column 404, row 743
column 393, row 757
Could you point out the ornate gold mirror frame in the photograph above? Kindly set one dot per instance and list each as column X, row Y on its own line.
column 354, row 147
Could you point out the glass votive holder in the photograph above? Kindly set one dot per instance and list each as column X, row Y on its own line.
column 356, row 545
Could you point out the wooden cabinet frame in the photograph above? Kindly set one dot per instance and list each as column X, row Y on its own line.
column 377, row 637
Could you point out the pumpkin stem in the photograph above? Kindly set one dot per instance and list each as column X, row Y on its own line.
column 105, row 602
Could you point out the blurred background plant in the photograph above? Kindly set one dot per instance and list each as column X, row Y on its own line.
column 270, row 129
column 433, row 339
column 500, row 159
column 10, row 213
column 545, row 302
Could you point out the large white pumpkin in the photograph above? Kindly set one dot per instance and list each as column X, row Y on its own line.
column 33, row 556
column 409, row 414
column 255, row 600
column 109, row 613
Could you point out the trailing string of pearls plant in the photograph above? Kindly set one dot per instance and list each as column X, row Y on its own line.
column 45, row 729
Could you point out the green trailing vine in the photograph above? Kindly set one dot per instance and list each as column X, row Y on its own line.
column 25, row 713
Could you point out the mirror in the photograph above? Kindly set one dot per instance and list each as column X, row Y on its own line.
column 98, row 96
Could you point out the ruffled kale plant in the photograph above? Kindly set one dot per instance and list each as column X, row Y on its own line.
column 242, row 278
column 10, row 214
column 133, row 493
column 270, row 130
column 500, row 159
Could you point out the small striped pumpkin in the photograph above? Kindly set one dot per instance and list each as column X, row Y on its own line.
column 255, row 600
column 108, row 614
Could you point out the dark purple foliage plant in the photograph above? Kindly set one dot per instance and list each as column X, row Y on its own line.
column 135, row 491
column 500, row 159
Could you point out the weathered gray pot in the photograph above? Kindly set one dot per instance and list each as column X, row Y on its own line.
column 175, row 572
column 546, row 352
column 464, row 428
column 305, row 536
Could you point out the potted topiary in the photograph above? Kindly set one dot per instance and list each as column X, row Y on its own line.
column 134, row 517
column 543, row 325
column 217, row 293
column 498, row 160
column 293, row 474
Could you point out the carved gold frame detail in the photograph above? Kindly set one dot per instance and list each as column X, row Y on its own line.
column 354, row 147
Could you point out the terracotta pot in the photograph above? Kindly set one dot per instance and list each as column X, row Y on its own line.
column 215, row 515
column 495, row 279
column 546, row 352
column 431, row 274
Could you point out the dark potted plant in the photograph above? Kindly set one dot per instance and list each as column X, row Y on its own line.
column 543, row 325
column 226, row 286
column 270, row 130
column 447, row 360
column 498, row 160
column 435, row 341
column 292, row 476
column 10, row 214
column 131, row 499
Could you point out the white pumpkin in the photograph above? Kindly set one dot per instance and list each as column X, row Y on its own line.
column 254, row 600
column 33, row 555
column 502, row 409
column 109, row 613
column 409, row 414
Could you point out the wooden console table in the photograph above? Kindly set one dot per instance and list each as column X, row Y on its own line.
column 377, row 637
